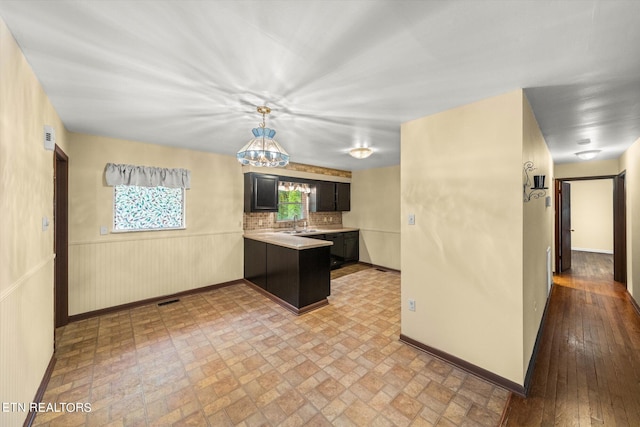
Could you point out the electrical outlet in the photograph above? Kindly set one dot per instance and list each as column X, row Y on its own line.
column 535, row 306
column 412, row 305
column 260, row 222
column 103, row 230
column 324, row 219
column 330, row 219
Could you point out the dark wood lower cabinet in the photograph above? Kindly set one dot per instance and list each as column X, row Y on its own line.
column 301, row 278
column 346, row 247
column 351, row 246
column 255, row 262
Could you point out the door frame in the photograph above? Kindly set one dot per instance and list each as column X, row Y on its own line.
column 560, row 260
column 619, row 222
column 620, row 228
column 60, row 238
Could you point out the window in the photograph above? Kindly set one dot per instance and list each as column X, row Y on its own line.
column 148, row 208
column 146, row 197
column 292, row 201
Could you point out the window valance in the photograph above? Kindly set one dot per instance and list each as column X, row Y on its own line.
column 146, row 176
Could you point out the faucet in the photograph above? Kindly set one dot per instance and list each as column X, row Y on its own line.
column 295, row 222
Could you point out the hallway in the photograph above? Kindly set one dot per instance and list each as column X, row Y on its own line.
column 587, row 369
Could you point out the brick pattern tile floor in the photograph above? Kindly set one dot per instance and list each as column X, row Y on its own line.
column 233, row 357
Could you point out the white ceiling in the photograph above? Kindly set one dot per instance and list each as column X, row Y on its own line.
column 336, row 74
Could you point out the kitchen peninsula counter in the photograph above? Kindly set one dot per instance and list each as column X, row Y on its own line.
column 299, row 240
column 291, row 269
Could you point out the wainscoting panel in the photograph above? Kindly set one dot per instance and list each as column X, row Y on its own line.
column 106, row 274
column 26, row 333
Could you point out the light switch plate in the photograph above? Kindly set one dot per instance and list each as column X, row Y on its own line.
column 412, row 219
column 103, row 230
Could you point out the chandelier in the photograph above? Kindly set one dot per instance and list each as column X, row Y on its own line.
column 263, row 150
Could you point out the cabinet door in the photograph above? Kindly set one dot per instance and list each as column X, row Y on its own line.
column 255, row 262
column 282, row 274
column 343, row 196
column 351, row 246
column 261, row 193
column 324, row 198
column 337, row 249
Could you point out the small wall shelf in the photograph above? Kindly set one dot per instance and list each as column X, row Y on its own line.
column 538, row 190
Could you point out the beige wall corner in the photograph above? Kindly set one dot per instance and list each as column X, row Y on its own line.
column 118, row 268
column 630, row 161
column 375, row 210
column 26, row 250
column 462, row 261
column 537, row 228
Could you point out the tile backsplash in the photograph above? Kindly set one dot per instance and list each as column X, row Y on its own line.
column 266, row 220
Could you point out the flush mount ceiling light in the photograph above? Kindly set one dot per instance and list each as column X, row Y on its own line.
column 360, row 152
column 588, row 155
column 263, row 150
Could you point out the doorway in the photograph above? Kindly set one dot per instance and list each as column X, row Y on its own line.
column 564, row 230
column 60, row 238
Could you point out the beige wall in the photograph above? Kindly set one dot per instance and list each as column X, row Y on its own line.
column 537, row 235
column 118, row 268
column 592, row 215
column 375, row 210
column 462, row 262
column 630, row 161
column 581, row 169
column 26, row 251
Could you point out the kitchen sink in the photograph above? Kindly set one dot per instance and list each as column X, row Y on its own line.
column 298, row 231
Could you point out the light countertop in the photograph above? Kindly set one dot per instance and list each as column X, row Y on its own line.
column 298, row 240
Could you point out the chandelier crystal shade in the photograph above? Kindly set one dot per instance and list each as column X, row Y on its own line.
column 262, row 150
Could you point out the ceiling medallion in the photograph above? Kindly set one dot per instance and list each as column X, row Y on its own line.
column 262, row 150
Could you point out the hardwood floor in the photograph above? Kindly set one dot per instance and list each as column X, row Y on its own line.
column 587, row 370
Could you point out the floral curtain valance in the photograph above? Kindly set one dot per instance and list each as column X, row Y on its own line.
column 146, row 176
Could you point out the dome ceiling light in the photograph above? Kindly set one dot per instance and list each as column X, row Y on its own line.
column 360, row 152
column 588, row 155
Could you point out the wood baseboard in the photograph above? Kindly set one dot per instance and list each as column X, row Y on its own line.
column 532, row 362
column 466, row 366
column 135, row 304
column 40, row 393
column 295, row 310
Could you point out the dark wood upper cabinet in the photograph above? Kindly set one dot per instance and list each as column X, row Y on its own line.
column 260, row 193
column 343, row 196
column 323, row 197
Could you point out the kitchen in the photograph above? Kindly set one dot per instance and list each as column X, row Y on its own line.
column 291, row 263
